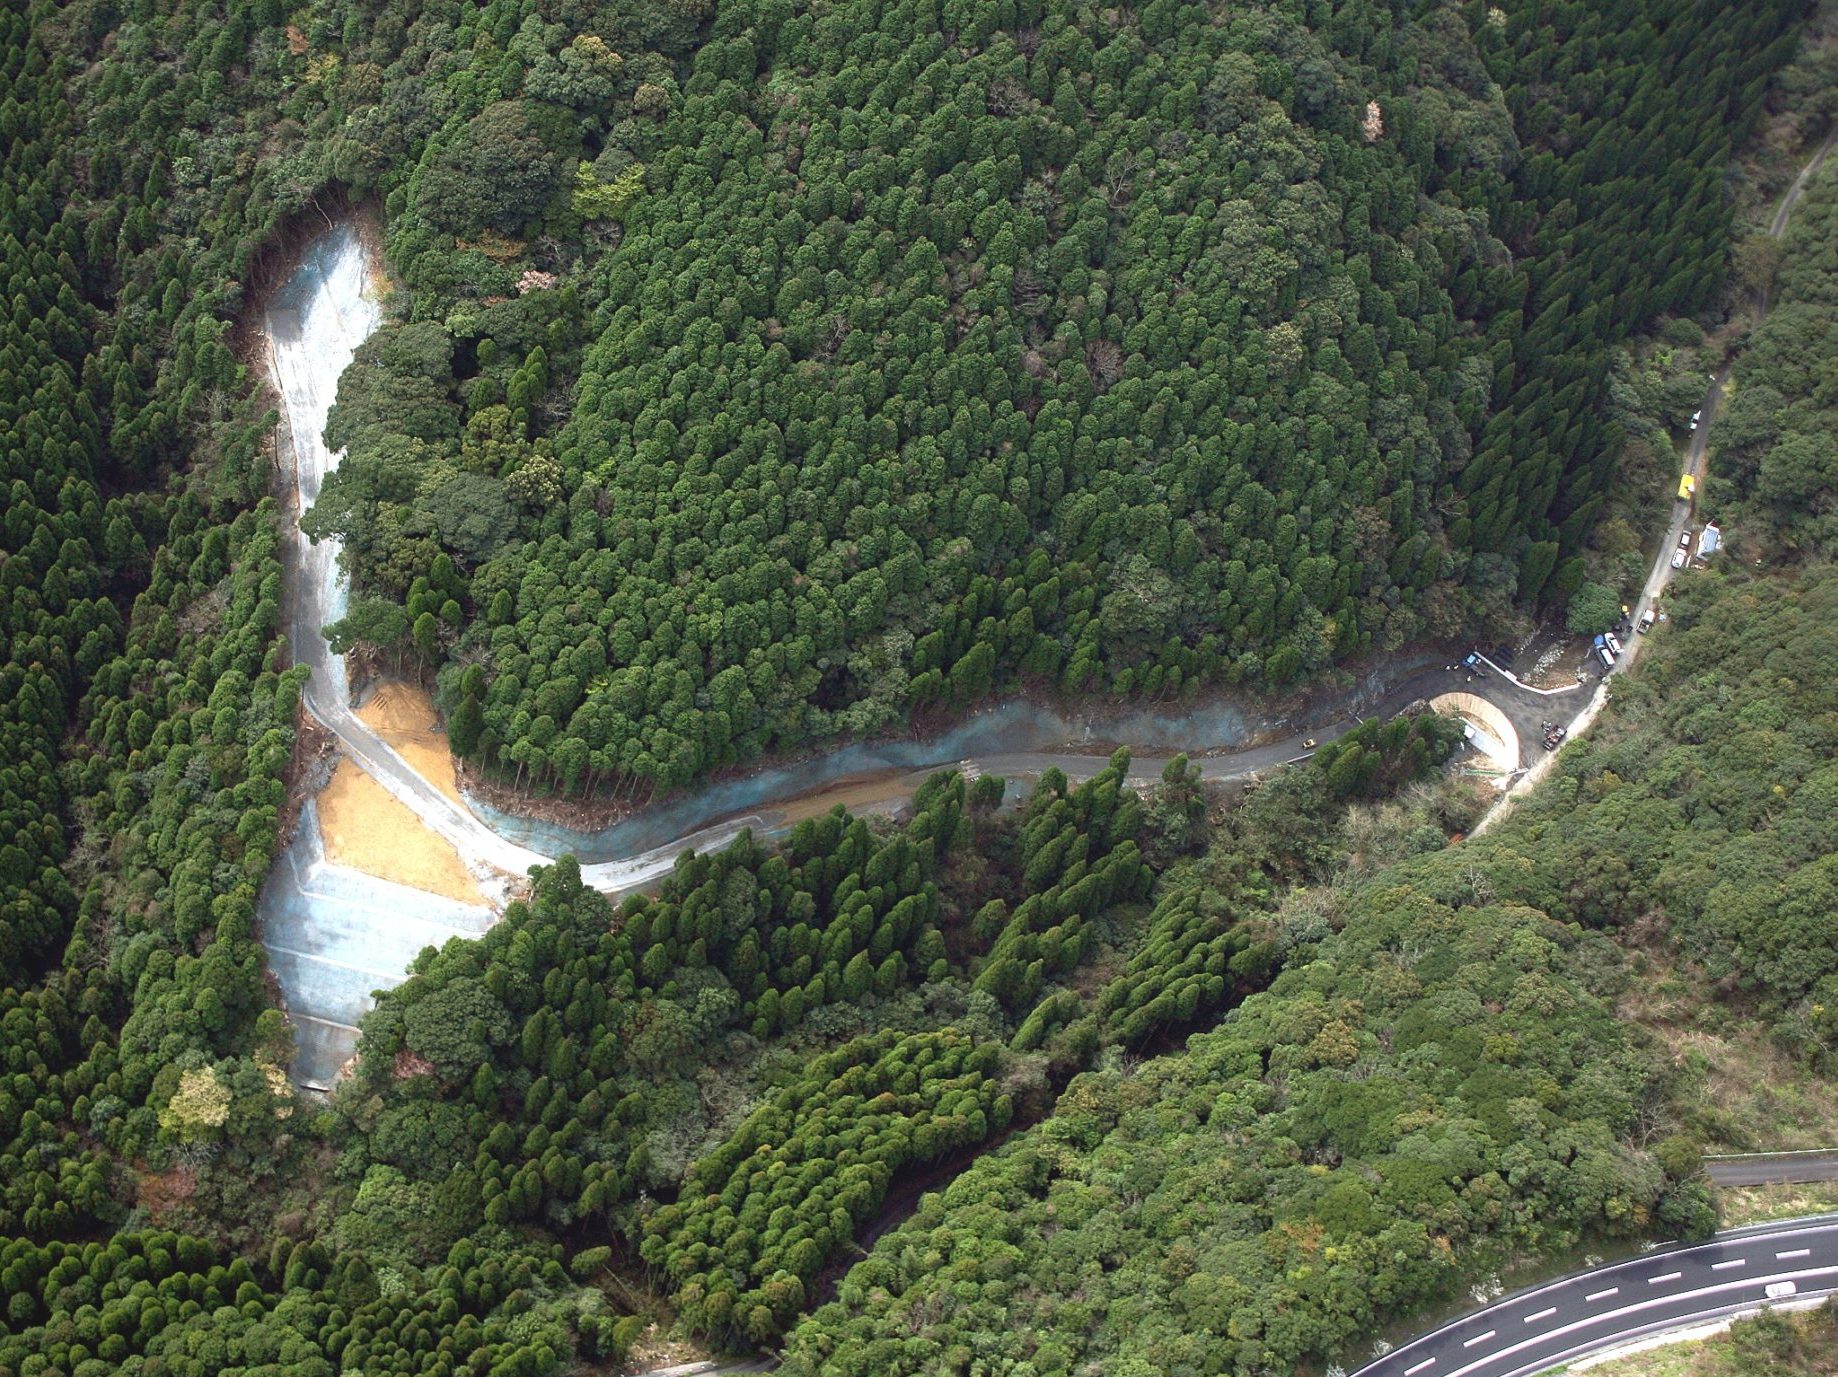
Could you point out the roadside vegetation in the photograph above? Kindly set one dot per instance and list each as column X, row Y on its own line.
column 1739, row 1205
column 1693, row 829
column 1779, row 1345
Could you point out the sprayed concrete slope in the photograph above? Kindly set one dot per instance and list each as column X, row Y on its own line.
column 335, row 934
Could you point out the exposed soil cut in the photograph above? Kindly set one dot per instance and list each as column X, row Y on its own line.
column 581, row 814
column 403, row 715
column 365, row 827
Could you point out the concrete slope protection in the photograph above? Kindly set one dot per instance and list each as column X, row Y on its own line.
column 1676, row 1287
column 334, row 934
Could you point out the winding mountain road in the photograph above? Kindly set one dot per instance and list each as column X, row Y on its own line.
column 1697, row 454
column 1578, row 1316
column 1676, row 1287
column 1696, row 462
column 314, row 329
column 335, row 935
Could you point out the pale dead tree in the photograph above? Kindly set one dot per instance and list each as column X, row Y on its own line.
column 1120, row 178
column 1374, row 124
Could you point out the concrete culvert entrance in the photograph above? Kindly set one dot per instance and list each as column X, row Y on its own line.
column 1491, row 732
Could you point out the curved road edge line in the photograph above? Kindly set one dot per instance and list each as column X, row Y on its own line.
column 1676, row 1331
column 1777, row 1229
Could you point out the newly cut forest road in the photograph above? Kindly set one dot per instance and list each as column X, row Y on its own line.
column 334, row 934
column 313, row 332
column 316, row 325
column 1674, row 1287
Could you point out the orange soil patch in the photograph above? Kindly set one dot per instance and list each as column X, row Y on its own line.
column 367, row 828
column 857, row 795
column 404, row 716
column 161, row 1192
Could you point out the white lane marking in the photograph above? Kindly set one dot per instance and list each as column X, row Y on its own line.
column 1413, row 1371
column 1480, row 1338
column 1808, row 1225
column 1664, row 1276
column 1795, row 1252
column 1541, row 1315
column 1829, row 1274
column 1725, row 1266
column 1603, row 1295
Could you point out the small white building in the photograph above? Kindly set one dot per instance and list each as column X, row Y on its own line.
column 1710, row 540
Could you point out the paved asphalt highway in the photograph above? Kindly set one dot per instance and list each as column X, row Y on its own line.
column 1772, row 1168
column 1670, row 1288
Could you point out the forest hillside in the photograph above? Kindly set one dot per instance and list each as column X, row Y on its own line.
column 872, row 360
column 761, row 373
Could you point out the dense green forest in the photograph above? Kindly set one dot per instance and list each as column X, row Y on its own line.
column 1776, row 482
column 873, row 360
column 766, row 373
column 145, row 715
column 1338, row 1146
column 768, row 1040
